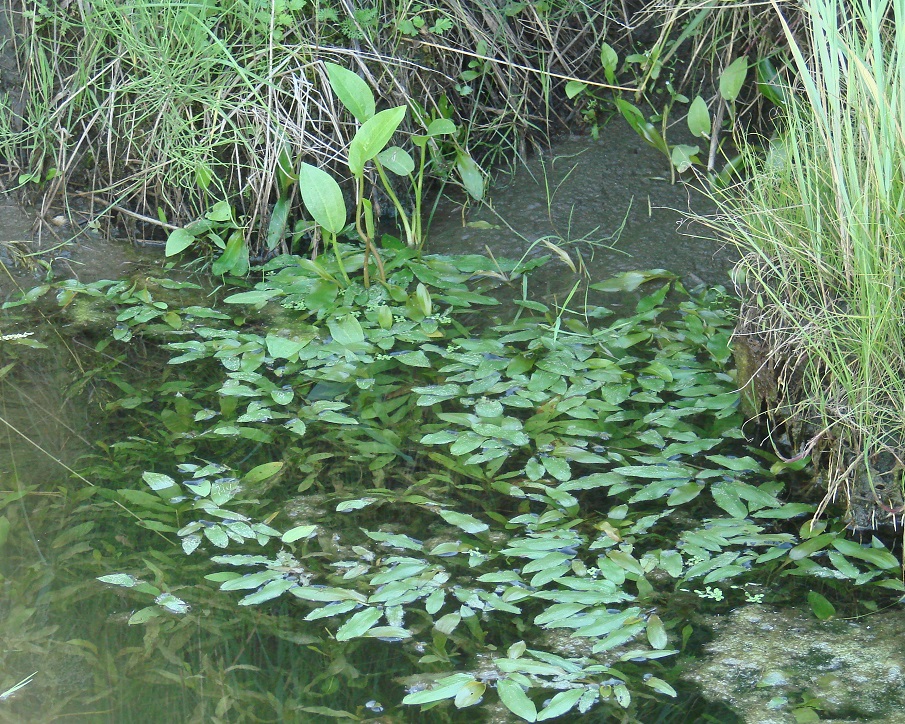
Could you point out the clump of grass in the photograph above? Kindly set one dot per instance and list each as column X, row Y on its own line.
column 822, row 226
column 163, row 108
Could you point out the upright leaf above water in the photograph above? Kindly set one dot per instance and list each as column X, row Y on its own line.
column 470, row 173
column 733, row 78
column 354, row 93
column 373, row 136
column 323, row 198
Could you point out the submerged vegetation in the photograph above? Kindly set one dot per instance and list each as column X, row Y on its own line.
column 527, row 503
column 351, row 447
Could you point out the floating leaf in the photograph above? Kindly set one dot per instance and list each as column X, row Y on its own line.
column 563, row 702
column 656, row 633
column 346, row 330
column 660, row 686
column 262, row 472
column 298, row 533
column 145, row 614
column 120, row 579
column 448, row 689
column 878, row 556
column 470, row 694
column 811, row 545
column 728, row 499
column 822, row 608
column 514, row 698
column 358, row 624
column 466, row 522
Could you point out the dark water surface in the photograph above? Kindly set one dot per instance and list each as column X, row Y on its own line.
column 608, row 201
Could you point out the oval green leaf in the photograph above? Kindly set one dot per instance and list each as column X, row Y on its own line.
column 323, row 198
column 397, row 160
column 179, row 240
column 609, row 60
column 358, row 624
column 574, row 88
column 373, row 136
column 699, row 118
column 560, row 704
column 470, row 173
column 515, row 700
column 656, row 632
column 823, row 609
column 733, row 78
column 352, row 90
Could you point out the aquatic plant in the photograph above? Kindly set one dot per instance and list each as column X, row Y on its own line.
column 172, row 107
column 469, row 494
column 821, row 227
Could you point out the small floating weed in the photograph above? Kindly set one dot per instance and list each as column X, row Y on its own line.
column 514, row 504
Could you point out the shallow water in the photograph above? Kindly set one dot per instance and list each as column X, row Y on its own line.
column 607, row 202
column 75, row 253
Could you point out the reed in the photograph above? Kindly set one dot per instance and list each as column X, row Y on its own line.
column 821, row 224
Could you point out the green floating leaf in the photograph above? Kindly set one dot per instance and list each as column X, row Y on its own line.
column 822, row 608
column 262, row 472
column 298, row 533
column 728, row 499
column 466, row 522
column 656, row 632
column 563, row 702
column 120, row 579
column 630, row 281
column 515, row 700
column 346, row 330
column 359, row 624
column 448, row 688
column 878, row 556
column 811, row 545
column 660, row 686
column 144, row 615
column 470, row 694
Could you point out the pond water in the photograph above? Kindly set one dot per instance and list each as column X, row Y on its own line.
column 606, row 201
column 69, row 505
